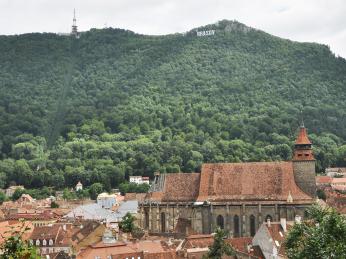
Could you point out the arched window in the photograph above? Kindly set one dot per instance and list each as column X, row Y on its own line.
column 220, row 222
column 236, row 226
column 50, row 242
column 163, row 222
column 146, row 219
column 252, row 225
column 44, row 242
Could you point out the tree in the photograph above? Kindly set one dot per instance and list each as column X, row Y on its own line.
column 14, row 247
column 2, row 197
column 95, row 189
column 127, row 223
column 17, row 194
column 323, row 235
column 219, row 247
column 54, row 205
column 137, row 232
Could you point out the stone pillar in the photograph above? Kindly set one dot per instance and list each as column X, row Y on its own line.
column 243, row 221
column 150, row 218
column 227, row 219
column 276, row 213
column 158, row 226
column 211, row 218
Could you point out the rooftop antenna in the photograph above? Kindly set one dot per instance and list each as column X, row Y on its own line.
column 302, row 119
column 74, row 31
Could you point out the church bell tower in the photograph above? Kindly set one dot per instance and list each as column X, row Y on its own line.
column 304, row 163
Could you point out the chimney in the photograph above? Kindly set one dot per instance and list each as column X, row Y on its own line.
column 283, row 224
column 268, row 222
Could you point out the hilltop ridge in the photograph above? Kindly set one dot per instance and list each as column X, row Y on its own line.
column 115, row 103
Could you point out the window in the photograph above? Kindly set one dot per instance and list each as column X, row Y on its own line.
column 163, row 222
column 252, row 225
column 220, row 222
column 146, row 219
column 97, row 257
column 50, row 242
column 37, row 242
column 236, row 226
column 44, row 242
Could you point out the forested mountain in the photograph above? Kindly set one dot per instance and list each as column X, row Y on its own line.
column 114, row 103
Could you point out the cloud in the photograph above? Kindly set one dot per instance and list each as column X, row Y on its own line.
column 321, row 21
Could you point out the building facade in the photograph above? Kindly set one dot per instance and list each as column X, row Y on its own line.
column 237, row 197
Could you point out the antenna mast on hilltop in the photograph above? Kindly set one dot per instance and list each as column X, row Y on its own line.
column 74, row 31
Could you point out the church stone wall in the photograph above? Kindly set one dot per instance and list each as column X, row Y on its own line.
column 204, row 218
column 304, row 176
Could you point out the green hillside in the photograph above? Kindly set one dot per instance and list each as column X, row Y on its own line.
column 115, row 103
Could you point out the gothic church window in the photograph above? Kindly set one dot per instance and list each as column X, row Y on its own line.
column 220, row 222
column 236, row 226
column 252, row 225
column 163, row 222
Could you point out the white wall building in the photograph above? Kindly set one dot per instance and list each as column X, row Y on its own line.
column 79, row 186
column 139, row 179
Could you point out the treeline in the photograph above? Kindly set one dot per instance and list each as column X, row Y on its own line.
column 114, row 103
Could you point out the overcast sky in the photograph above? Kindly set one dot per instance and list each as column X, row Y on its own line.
column 322, row 21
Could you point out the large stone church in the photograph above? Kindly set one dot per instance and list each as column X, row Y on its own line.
column 237, row 197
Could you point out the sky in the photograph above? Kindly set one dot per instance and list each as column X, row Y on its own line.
column 322, row 21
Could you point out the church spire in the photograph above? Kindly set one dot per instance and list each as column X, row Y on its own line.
column 303, row 146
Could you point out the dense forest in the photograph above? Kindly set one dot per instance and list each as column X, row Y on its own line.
column 114, row 103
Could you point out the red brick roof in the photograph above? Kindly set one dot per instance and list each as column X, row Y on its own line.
column 303, row 138
column 178, row 187
column 323, row 179
column 244, row 245
column 249, row 181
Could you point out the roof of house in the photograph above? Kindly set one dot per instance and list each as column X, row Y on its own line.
column 134, row 196
column 95, row 211
column 244, row 246
column 323, row 179
column 338, row 180
column 151, row 249
column 46, row 232
column 249, row 181
column 177, row 187
column 277, row 234
column 303, row 138
column 7, row 227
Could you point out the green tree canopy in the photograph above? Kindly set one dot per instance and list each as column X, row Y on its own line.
column 321, row 236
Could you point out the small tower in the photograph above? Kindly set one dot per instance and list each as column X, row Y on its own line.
column 304, row 163
column 74, row 31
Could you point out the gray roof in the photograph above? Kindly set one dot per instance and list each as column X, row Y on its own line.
column 96, row 212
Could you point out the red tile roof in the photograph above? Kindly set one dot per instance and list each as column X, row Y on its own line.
column 178, row 187
column 303, row 138
column 244, row 245
column 249, row 181
column 323, row 179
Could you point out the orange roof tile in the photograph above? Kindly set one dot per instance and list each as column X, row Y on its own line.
column 249, row 181
column 323, row 179
column 303, row 138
